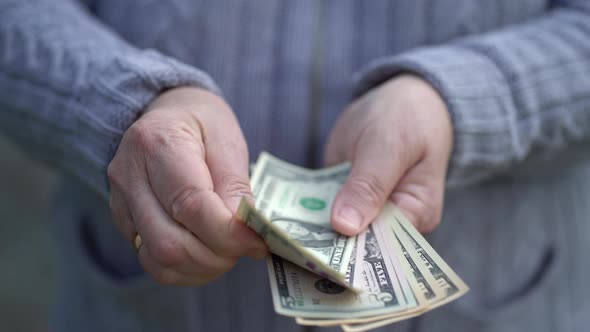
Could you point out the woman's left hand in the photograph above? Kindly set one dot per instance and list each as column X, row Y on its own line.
column 398, row 138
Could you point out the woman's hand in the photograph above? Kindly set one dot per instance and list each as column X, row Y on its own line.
column 398, row 138
column 176, row 180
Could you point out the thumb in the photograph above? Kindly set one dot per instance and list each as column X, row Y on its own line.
column 228, row 163
column 227, row 158
column 226, row 152
column 373, row 176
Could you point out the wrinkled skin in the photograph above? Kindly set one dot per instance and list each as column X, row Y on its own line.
column 182, row 167
column 398, row 138
column 176, row 180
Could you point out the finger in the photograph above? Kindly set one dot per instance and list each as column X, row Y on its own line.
column 218, row 137
column 180, row 179
column 208, row 218
column 335, row 152
column 374, row 173
column 121, row 215
column 174, row 161
column 227, row 158
column 420, row 194
column 170, row 276
column 340, row 138
column 169, row 244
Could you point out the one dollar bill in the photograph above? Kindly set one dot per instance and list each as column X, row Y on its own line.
column 292, row 215
column 387, row 273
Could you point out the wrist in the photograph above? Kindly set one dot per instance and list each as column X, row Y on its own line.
column 416, row 89
column 428, row 105
column 186, row 98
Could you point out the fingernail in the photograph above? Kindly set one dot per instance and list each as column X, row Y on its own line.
column 350, row 218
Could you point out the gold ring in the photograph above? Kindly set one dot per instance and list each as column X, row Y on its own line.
column 137, row 242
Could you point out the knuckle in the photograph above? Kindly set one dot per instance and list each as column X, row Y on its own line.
column 165, row 276
column 156, row 132
column 425, row 218
column 114, row 174
column 431, row 209
column 149, row 136
column 234, row 144
column 235, row 186
column 218, row 266
column 368, row 188
column 147, row 140
column 425, row 207
column 427, row 227
column 168, row 253
column 431, row 217
column 139, row 132
column 187, row 203
column 227, row 248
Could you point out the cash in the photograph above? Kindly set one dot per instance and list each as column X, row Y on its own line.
column 292, row 215
column 385, row 274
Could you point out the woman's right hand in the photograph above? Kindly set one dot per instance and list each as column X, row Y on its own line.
column 176, row 180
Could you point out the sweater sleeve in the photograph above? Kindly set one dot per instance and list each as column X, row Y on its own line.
column 70, row 87
column 511, row 93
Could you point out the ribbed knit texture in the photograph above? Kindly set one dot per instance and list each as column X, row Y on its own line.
column 70, row 87
column 512, row 93
column 514, row 74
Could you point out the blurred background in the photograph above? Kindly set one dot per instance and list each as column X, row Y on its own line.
column 26, row 243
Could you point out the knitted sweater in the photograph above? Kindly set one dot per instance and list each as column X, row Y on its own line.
column 515, row 76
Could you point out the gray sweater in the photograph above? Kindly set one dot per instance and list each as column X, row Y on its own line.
column 515, row 76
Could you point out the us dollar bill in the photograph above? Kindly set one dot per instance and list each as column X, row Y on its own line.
column 296, row 205
column 417, row 291
column 438, row 283
column 299, row 293
column 280, row 243
column 386, row 274
column 446, row 282
column 428, row 291
column 423, row 287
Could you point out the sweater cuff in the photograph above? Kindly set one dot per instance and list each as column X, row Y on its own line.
column 477, row 97
column 116, row 95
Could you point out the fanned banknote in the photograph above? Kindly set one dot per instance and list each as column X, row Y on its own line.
column 435, row 283
column 298, row 292
column 386, row 274
column 292, row 214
